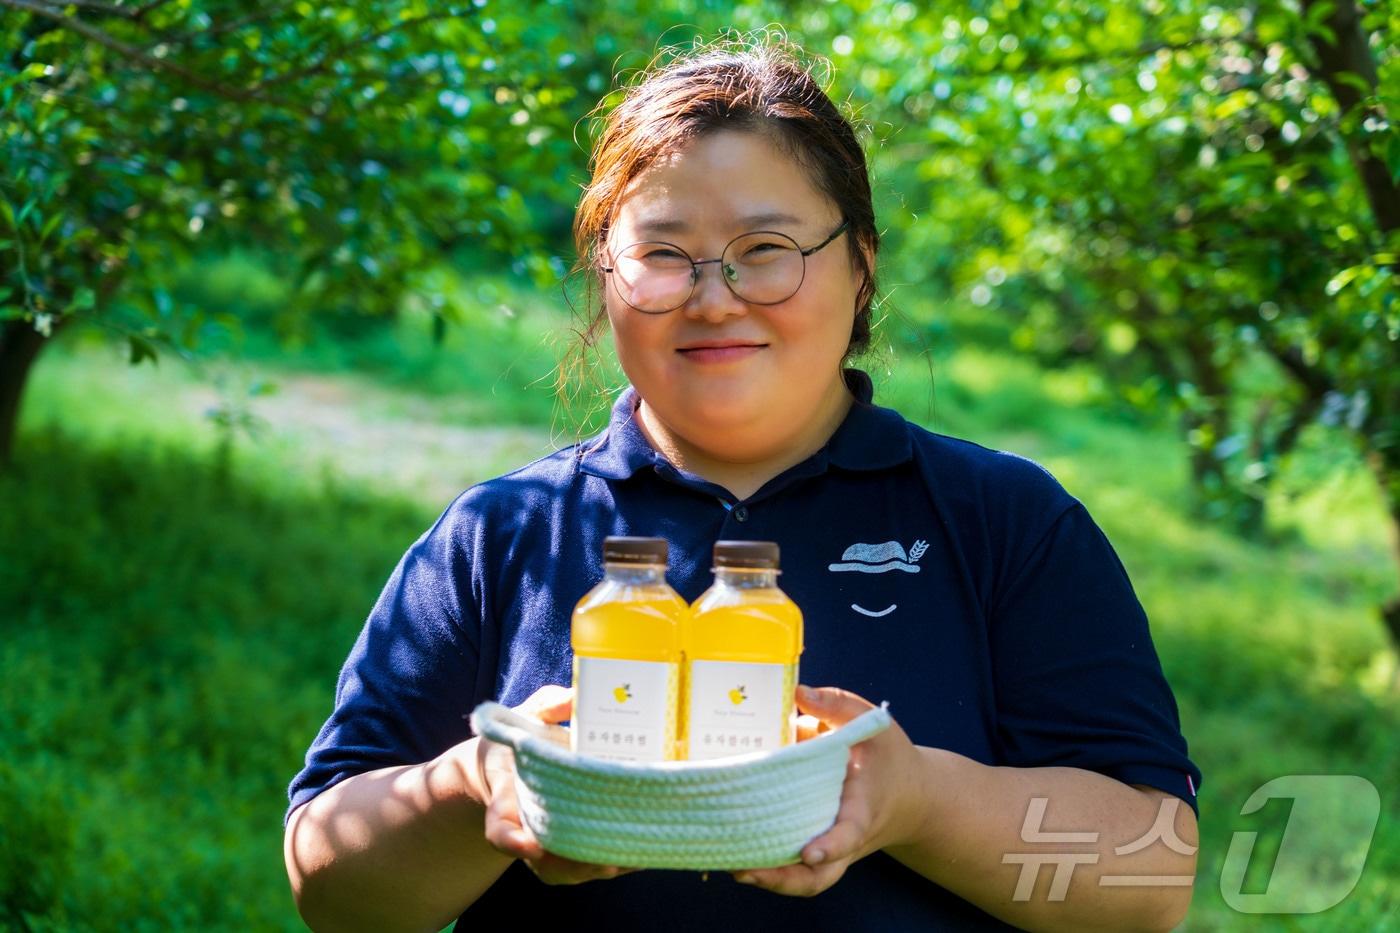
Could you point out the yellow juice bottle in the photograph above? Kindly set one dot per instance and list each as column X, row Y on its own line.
column 626, row 636
column 743, row 640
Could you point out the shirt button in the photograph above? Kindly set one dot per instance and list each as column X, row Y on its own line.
column 740, row 513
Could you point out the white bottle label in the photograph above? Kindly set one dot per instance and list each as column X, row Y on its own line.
column 735, row 707
column 625, row 709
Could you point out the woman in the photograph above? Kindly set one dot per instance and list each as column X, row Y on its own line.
column 729, row 228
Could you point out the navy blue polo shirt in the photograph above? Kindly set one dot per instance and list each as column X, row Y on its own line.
column 962, row 585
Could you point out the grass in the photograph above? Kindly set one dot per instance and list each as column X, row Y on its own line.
column 493, row 361
column 173, row 623
column 165, row 656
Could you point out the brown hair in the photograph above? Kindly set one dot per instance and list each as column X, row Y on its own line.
column 759, row 86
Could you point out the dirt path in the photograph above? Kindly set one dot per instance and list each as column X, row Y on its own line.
column 353, row 429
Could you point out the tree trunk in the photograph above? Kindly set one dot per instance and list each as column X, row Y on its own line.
column 20, row 344
column 1219, row 496
column 1390, row 615
column 1385, row 466
column 1351, row 54
column 1207, row 472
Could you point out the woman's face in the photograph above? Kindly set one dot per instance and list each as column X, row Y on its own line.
column 731, row 378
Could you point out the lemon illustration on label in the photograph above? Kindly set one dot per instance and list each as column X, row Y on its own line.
column 623, row 693
column 737, row 695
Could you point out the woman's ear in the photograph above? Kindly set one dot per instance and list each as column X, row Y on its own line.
column 868, row 254
column 601, row 260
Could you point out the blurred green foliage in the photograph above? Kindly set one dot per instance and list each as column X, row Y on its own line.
column 353, row 142
column 1203, row 198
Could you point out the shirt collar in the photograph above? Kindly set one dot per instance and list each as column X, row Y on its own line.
column 622, row 449
column 870, row 438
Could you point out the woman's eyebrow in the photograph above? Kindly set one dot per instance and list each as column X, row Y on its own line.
column 755, row 221
column 662, row 226
column 747, row 222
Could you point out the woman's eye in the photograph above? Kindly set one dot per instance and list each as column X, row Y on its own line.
column 664, row 255
column 764, row 251
column 666, row 260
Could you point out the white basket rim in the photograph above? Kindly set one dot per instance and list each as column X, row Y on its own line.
column 527, row 734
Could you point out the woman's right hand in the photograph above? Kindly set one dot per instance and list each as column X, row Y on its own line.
column 495, row 770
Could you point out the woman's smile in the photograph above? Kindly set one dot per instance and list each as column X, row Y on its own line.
column 720, row 351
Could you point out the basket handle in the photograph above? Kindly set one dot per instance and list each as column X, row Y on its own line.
column 504, row 725
column 867, row 725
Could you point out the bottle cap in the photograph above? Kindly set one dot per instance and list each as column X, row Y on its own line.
column 753, row 555
column 625, row 550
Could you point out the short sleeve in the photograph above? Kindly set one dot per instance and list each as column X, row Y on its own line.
column 406, row 688
column 1077, row 679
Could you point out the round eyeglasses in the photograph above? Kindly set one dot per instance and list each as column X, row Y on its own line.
column 761, row 268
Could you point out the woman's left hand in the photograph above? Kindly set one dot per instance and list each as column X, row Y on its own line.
column 881, row 801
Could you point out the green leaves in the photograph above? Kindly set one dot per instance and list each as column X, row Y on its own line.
column 1163, row 185
column 342, row 138
column 141, row 349
column 1342, row 279
column 1315, row 16
column 30, row 72
column 1168, row 188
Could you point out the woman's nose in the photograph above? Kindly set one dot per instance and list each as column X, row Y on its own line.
column 711, row 297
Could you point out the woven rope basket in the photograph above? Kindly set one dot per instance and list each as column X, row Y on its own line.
column 750, row 811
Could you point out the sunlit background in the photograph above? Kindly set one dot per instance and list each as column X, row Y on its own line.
column 292, row 275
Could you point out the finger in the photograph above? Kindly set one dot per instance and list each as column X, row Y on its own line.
column 551, row 703
column 504, row 828
column 508, row 833
column 831, row 704
column 512, row 839
column 496, row 764
column 809, row 727
column 793, row 880
column 842, row 841
column 555, row 869
column 848, row 835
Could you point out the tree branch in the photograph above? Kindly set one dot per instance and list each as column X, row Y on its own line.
column 96, row 6
column 126, row 51
column 256, row 91
column 1303, row 413
column 1350, row 55
column 1149, row 315
column 265, row 12
column 339, row 51
column 141, row 11
column 1313, row 380
column 133, row 13
column 1034, row 65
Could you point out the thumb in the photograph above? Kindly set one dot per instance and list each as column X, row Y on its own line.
column 831, row 704
column 551, row 703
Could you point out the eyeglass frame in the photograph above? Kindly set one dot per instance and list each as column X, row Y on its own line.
column 697, row 263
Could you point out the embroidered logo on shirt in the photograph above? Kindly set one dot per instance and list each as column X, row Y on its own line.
column 879, row 558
